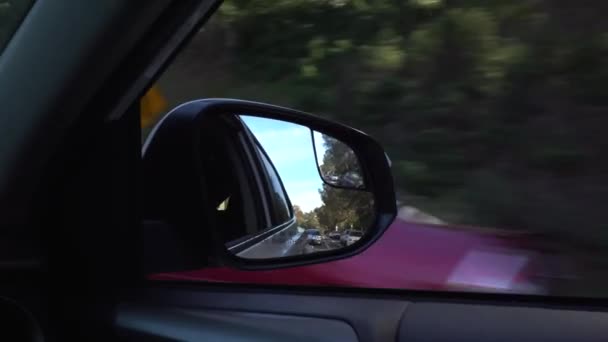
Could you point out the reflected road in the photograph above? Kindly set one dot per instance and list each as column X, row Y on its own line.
column 326, row 244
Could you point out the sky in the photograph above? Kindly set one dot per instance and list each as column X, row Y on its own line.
column 290, row 148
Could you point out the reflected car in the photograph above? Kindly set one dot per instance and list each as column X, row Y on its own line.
column 314, row 236
column 350, row 236
column 334, row 236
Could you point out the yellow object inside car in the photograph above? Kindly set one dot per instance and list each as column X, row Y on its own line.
column 152, row 105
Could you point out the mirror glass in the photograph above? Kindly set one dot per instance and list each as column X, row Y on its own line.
column 291, row 204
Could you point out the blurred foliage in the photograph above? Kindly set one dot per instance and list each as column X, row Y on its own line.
column 307, row 220
column 492, row 111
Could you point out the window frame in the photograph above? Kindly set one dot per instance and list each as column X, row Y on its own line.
column 260, row 181
column 260, row 184
column 257, row 150
column 14, row 26
column 266, row 171
column 248, row 190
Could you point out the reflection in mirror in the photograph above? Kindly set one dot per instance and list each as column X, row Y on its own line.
column 338, row 165
column 295, row 211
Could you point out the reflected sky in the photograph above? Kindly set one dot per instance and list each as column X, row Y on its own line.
column 289, row 146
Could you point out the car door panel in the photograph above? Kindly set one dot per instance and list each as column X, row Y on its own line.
column 190, row 313
column 372, row 319
column 185, row 324
column 473, row 322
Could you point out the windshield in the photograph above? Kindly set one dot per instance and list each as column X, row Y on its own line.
column 12, row 13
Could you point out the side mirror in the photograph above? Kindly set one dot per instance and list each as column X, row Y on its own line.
column 257, row 186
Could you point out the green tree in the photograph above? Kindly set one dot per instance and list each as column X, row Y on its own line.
column 299, row 214
column 309, row 220
column 342, row 208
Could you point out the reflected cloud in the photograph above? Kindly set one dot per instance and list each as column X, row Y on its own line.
column 306, row 200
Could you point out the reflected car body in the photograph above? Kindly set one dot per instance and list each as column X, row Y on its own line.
column 349, row 237
column 334, row 236
column 412, row 255
column 314, row 236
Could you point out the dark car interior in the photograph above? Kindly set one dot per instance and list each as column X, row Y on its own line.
column 75, row 254
column 181, row 210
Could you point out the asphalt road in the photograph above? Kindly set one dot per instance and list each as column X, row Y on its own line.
column 326, row 244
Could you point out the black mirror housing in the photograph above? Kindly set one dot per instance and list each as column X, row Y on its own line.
column 175, row 182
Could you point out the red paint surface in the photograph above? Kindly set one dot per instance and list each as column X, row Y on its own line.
column 408, row 256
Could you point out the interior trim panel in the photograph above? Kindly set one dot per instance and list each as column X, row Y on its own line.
column 438, row 322
column 224, row 315
column 230, row 326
